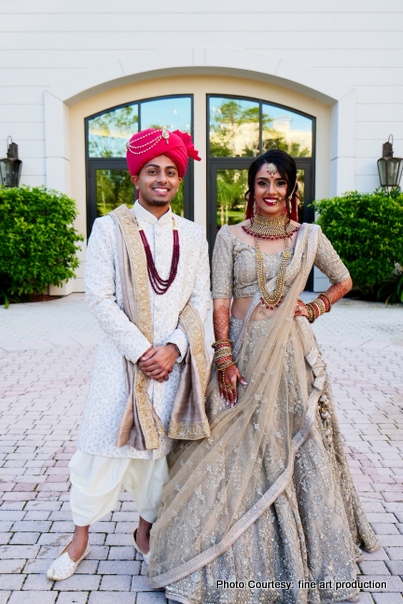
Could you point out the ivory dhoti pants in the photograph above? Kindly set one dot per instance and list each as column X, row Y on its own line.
column 97, row 481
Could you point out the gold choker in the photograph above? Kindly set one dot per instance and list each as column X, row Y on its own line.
column 264, row 227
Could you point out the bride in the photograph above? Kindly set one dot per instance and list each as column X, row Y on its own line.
column 265, row 510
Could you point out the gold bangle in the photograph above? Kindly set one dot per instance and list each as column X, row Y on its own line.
column 223, row 352
column 218, row 359
column 328, row 299
column 214, row 344
column 321, row 305
column 222, row 349
column 311, row 312
column 229, row 364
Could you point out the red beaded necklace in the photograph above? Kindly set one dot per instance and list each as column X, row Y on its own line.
column 159, row 285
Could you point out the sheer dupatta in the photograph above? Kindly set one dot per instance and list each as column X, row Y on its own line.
column 221, row 485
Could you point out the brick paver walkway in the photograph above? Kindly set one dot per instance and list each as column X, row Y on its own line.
column 47, row 351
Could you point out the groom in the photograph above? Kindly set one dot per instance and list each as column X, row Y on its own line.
column 148, row 283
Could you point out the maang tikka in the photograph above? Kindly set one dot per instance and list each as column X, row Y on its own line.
column 271, row 169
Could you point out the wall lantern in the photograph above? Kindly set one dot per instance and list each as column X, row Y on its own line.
column 11, row 166
column 389, row 168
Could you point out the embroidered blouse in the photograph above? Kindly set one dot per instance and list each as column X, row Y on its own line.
column 234, row 268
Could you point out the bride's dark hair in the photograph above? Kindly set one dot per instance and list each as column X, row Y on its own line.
column 288, row 170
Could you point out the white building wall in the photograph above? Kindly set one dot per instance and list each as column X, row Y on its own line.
column 357, row 42
column 49, row 43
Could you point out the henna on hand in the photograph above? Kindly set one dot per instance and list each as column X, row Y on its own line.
column 221, row 318
column 228, row 382
column 338, row 290
column 301, row 310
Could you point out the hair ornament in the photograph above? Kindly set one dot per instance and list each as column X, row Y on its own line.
column 293, row 191
column 271, row 169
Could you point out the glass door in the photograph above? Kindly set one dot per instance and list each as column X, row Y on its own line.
column 108, row 181
column 109, row 186
column 228, row 185
column 241, row 128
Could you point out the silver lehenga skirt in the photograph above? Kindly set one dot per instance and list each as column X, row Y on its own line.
column 303, row 549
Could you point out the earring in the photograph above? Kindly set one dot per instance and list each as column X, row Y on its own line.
column 254, row 207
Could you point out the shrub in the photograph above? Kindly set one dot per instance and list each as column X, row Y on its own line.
column 391, row 289
column 366, row 229
column 37, row 240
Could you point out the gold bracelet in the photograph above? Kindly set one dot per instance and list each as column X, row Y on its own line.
column 311, row 311
column 321, row 305
column 229, row 364
column 214, row 344
column 226, row 352
column 328, row 299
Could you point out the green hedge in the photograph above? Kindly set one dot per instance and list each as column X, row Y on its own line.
column 366, row 230
column 38, row 244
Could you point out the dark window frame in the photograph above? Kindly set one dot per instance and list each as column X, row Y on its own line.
column 216, row 163
column 92, row 164
column 260, row 102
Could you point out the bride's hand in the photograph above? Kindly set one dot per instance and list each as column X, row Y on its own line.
column 301, row 310
column 228, row 384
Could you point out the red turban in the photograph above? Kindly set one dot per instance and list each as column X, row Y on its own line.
column 150, row 143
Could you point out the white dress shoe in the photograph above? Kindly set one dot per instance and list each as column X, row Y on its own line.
column 63, row 567
column 145, row 556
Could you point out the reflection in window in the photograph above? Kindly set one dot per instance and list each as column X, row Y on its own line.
column 109, row 132
column 114, row 187
column 232, row 185
column 177, row 205
column 286, row 130
column 234, row 127
column 240, row 128
column 173, row 113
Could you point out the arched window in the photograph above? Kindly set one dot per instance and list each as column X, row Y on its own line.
column 239, row 129
column 108, row 181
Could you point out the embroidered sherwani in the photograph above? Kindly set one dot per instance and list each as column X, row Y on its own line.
column 107, row 395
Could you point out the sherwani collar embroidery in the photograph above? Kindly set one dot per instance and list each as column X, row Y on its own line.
column 146, row 216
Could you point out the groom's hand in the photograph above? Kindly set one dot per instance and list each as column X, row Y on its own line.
column 157, row 363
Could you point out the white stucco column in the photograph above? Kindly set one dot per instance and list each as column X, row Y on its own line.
column 342, row 160
column 57, row 143
column 343, row 153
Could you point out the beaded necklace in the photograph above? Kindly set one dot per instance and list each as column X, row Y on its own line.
column 271, row 228
column 159, row 285
column 268, row 300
